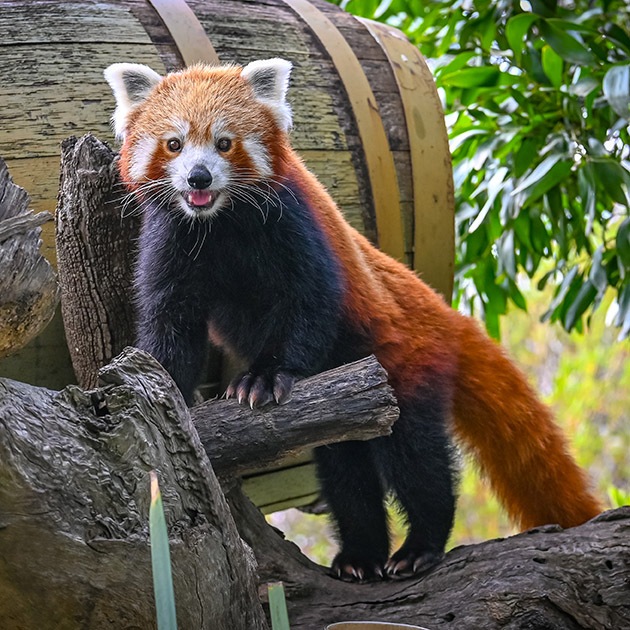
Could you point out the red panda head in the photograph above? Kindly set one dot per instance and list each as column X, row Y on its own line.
column 194, row 138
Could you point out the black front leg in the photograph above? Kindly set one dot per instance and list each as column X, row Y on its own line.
column 297, row 343
column 180, row 346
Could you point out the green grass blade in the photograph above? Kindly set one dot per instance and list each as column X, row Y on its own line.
column 161, row 561
column 278, row 607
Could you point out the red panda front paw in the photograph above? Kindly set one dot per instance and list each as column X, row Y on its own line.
column 352, row 567
column 258, row 390
column 406, row 562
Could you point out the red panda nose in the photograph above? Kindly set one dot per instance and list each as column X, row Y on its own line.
column 199, row 177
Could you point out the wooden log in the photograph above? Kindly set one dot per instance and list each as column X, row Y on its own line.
column 353, row 402
column 73, row 533
column 96, row 229
column 543, row 579
column 28, row 287
column 74, row 503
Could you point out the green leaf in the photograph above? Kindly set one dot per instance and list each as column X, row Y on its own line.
column 622, row 240
column 491, row 319
column 550, row 172
column 515, row 31
column 516, row 296
column 569, row 48
column 278, row 607
column 580, row 303
column 616, row 87
column 364, row 8
column 525, row 156
column 161, row 561
column 552, row 65
column 539, row 236
column 457, row 63
column 618, row 35
column 614, row 179
column 623, row 314
column 483, row 76
column 597, row 274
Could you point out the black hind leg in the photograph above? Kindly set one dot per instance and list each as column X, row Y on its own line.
column 354, row 491
column 416, row 461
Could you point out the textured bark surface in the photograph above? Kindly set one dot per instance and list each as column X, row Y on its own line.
column 353, row 402
column 543, row 579
column 74, row 502
column 96, row 231
column 28, row 288
column 74, row 541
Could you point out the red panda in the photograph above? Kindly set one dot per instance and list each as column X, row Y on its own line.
column 239, row 238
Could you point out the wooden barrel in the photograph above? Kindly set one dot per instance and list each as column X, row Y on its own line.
column 367, row 118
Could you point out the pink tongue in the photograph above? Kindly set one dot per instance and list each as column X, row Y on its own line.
column 200, row 197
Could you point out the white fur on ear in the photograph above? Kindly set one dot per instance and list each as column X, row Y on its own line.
column 269, row 78
column 131, row 84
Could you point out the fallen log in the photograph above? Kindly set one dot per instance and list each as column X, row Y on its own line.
column 542, row 579
column 73, row 530
column 353, row 402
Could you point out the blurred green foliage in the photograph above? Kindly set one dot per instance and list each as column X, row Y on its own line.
column 536, row 97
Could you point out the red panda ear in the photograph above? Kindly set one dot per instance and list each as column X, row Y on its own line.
column 269, row 78
column 131, row 83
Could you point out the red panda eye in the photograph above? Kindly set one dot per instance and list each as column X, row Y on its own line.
column 224, row 144
column 174, row 145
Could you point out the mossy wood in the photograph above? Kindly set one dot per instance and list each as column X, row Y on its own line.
column 52, row 59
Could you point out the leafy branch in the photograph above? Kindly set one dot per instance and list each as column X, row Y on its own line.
column 537, row 106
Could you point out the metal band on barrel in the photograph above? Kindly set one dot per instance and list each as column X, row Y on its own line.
column 378, row 157
column 187, row 32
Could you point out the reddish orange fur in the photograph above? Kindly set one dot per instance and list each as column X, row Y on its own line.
column 199, row 93
column 496, row 413
column 415, row 333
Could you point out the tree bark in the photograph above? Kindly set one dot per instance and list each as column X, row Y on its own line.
column 96, row 231
column 74, row 502
column 74, row 542
column 28, row 287
column 543, row 579
column 353, row 402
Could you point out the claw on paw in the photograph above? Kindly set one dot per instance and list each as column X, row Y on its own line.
column 258, row 390
column 406, row 562
column 351, row 568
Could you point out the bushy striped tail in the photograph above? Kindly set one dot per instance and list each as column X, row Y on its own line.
column 514, row 439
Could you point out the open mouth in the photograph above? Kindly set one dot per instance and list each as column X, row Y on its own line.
column 201, row 199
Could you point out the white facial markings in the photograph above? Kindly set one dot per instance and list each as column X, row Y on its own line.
column 220, row 168
column 259, row 156
column 191, row 155
column 180, row 129
column 141, row 156
column 220, row 129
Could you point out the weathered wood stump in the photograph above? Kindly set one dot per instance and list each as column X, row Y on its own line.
column 28, row 287
column 95, row 254
column 74, row 550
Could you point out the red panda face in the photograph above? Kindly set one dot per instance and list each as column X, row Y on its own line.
column 196, row 139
